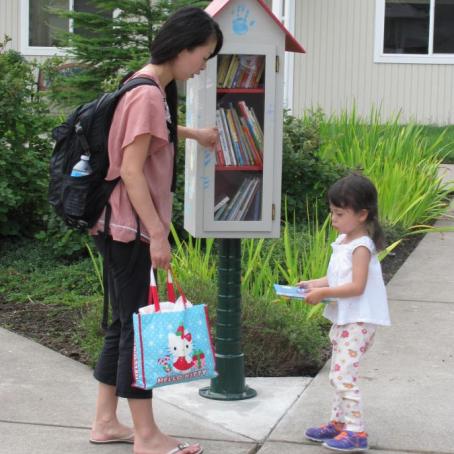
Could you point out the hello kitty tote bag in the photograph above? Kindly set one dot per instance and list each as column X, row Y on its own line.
column 172, row 341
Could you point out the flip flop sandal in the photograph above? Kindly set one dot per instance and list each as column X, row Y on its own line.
column 183, row 446
column 129, row 440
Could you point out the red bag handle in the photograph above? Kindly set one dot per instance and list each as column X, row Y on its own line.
column 153, row 297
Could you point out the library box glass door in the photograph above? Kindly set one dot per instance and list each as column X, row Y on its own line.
column 243, row 169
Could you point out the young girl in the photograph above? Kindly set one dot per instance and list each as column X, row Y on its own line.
column 142, row 146
column 355, row 282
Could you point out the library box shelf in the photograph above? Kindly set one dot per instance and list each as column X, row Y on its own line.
column 234, row 191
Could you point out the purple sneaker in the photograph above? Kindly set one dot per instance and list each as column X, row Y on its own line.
column 322, row 433
column 348, row 441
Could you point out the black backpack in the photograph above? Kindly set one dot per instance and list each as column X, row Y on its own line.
column 79, row 201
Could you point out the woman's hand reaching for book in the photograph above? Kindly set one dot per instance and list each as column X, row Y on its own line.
column 207, row 137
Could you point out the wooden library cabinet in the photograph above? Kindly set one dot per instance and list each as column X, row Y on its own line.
column 235, row 190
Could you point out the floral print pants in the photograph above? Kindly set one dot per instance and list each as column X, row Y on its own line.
column 349, row 343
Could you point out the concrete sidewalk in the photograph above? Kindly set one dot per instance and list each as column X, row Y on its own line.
column 47, row 400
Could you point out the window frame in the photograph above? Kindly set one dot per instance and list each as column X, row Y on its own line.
column 45, row 51
column 429, row 59
column 26, row 49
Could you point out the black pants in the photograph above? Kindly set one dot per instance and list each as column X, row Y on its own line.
column 129, row 280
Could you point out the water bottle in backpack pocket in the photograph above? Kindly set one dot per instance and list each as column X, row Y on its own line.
column 76, row 187
column 82, row 168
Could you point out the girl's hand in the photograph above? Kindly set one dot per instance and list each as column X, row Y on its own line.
column 315, row 295
column 306, row 284
column 207, row 137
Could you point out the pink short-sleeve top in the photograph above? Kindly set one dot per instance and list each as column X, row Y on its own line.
column 143, row 110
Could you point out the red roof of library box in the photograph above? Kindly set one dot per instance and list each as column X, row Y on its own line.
column 291, row 44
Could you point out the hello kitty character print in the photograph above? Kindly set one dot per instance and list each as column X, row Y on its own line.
column 180, row 346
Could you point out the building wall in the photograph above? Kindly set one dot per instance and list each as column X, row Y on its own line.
column 338, row 68
column 10, row 22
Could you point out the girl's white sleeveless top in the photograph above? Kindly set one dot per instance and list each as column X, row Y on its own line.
column 372, row 305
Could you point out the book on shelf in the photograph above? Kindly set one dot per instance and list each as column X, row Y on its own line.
column 252, row 123
column 234, row 214
column 234, row 137
column 241, row 135
column 226, row 141
column 238, row 208
column 256, row 206
column 223, row 67
column 232, row 204
column 219, row 214
column 219, row 155
column 234, row 62
column 221, row 158
column 247, row 155
column 240, row 71
column 221, row 203
column 247, row 201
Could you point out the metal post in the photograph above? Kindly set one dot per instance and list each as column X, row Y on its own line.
column 230, row 383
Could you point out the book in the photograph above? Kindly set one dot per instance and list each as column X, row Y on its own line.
column 245, row 154
column 228, row 139
column 232, row 203
column 243, row 195
column 294, row 292
column 223, row 67
column 246, row 205
column 234, row 136
column 255, row 213
column 224, row 159
column 237, row 200
column 218, row 215
column 290, row 291
column 221, row 203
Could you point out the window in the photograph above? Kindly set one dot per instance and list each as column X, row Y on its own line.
column 39, row 26
column 415, row 31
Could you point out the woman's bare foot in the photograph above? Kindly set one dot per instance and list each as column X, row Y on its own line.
column 163, row 444
column 111, row 432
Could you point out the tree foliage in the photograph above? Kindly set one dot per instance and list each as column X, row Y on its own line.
column 107, row 42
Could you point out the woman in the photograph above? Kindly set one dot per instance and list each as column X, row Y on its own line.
column 142, row 143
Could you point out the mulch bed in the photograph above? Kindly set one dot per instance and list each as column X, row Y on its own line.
column 54, row 326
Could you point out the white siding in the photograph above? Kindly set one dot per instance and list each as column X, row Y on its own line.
column 10, row 22
column 338, row 68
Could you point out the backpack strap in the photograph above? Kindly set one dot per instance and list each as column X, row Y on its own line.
column 105, row 268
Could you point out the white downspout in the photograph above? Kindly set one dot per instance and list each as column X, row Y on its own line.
column 285, row 11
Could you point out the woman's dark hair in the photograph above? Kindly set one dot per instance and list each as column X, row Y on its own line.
column 358, row 193
column 186, row 29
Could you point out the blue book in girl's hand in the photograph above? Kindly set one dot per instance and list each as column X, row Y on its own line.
column 290, row 291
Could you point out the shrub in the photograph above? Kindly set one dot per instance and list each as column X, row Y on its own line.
column 24, row 149
column 305, row 175
column 65, row 243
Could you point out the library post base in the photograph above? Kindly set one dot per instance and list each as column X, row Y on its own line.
column 230, row 383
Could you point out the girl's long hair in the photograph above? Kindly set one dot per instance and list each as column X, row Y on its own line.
column 186, row 29
column 357, row 192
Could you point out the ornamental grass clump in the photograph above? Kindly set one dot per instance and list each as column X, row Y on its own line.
column 398, row 159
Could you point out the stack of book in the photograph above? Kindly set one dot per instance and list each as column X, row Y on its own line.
column 246, row 199
column 240, row 71
column 241, row 136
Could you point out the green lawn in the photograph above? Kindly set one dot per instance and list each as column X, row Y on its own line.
column 433, row 132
